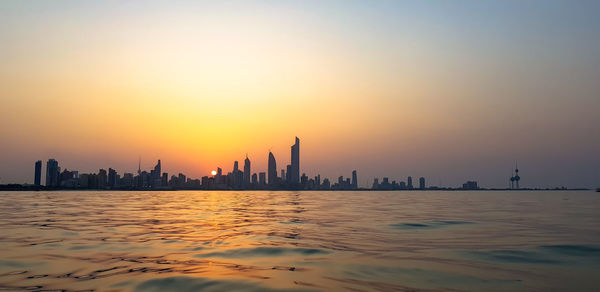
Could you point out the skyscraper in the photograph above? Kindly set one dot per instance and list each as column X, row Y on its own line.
column 52, row 172
column 247, row 171
column 354, row 180
column 112, row 177
column 272, row 170
column 422, row 183
column 295, row 166
column 409, row 183
column 38, row 173
column 102, row 178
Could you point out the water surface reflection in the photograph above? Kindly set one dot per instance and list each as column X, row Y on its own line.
column 299, row 241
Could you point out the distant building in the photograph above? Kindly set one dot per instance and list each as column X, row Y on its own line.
column 112, row 178
column 52, row 172
column 375, row 184
column 354, row 180
column 102, row 179
column 422, row 183
column 295, row 166
column 37, row 180
column 272, row 169
column 254, row 179
column 262, row 180
column 247, row 171
column 127, row 180
column 470, row 185
column 409, row 183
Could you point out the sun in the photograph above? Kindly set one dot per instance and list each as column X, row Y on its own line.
column 214, row 172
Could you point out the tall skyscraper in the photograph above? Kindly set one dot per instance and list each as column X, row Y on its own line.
column 52, row 172
column 102, row 178
column 112, row 177
column 422, row 183
column 295, row 175
column 354, row 180
column 272, row 170
column 247, row 171
column 38, row 173
column 158, row 169
column 409, row 183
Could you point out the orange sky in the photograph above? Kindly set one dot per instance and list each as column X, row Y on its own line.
column 409, row 89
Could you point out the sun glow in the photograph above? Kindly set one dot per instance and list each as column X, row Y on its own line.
column 214, row 172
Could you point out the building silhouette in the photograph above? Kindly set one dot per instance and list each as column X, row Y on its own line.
column 354, row 180
column 515, row 178
column 52, row 172
column 247, row 171
column 272, row 169
column 37, row 179
column 421, row 183
column 294, row 176
column 409, row 183
column 470, row 185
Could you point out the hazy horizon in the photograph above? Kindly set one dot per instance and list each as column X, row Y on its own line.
column 450, row 91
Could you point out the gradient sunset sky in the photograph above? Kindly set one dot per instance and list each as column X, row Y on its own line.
column 448, row 90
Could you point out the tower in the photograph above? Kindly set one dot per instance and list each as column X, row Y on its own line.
column 272, row 169
column 38, row 173
column 247, row 171
column 409, row 183
column 512, row 181
column 52, row 171
column 295, row 166
column 354, row 180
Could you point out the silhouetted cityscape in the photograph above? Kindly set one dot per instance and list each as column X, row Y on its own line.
column 289, row 178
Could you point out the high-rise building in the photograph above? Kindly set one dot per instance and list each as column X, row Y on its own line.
column 422, row 183
column 112, row 177
column 247, row 171
column 181, row 179
column 354, row 180
column 52, row 172
column 409, row 183
column 102, row 179
column 235, row 166
column 272, row 169
column 295, row 166
column 254, row 179
column 37, row 180
column 262, row 178
column 156, row 180
column 283, row 177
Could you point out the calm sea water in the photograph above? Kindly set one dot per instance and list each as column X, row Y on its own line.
column 292, row 241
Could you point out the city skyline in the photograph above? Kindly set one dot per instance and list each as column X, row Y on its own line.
column 290, row 178
column 447, row 91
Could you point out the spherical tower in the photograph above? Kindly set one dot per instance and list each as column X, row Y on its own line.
column 512, row 182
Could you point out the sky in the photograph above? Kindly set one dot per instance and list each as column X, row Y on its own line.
column 448, row 90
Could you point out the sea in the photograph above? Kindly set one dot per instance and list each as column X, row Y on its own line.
column 300, row 241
